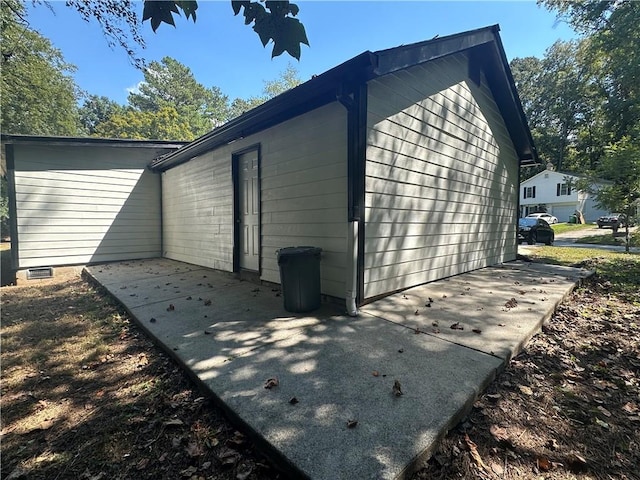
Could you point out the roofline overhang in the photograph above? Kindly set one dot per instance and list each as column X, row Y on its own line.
column 19, row 139
column 343, row 80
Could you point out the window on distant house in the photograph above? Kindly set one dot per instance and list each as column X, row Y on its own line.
column 529, row 192
column 563, row 189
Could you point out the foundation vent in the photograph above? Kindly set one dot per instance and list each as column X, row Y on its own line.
column 42, row 272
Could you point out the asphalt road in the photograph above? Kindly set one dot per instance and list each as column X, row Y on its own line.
column 568, row 239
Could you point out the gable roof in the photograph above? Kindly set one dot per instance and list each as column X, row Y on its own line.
column 561, row 174
column 486, row 55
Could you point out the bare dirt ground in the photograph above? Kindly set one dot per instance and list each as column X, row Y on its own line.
column 85, row 395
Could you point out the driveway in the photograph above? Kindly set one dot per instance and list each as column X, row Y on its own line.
column 568, row 239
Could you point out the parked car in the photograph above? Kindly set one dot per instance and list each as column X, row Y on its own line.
column 545, row 216
column 534, row 230
column 613, row 220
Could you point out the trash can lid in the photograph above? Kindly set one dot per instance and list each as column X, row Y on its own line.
column 298, row 251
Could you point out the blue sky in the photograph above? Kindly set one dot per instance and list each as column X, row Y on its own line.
column 223, row 52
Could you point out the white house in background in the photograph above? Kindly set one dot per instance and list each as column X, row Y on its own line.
column 555, row 193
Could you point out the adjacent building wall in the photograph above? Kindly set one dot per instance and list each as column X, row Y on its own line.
column 562, row 206
column 441, row 178
column 83, row 204
column 303, row 170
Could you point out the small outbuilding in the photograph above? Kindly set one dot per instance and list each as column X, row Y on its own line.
column 82, row 200
column 401, row 164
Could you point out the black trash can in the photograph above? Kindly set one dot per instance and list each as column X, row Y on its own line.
column 300, row 278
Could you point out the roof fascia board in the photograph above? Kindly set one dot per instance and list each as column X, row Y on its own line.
column 308, row 96
column 88, row 141
column 398, row 58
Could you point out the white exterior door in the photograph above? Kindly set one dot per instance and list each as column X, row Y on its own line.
column 249, row 196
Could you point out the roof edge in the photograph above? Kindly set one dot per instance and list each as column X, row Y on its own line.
column 20, row 139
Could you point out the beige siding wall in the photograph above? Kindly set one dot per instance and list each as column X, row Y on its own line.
column 441, row 178
column 303, row 198
column 80, row 205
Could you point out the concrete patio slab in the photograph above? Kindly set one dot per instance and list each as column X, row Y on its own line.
column 495, row 310
column 232, row 336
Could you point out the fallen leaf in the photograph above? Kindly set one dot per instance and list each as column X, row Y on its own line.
column 352, row 423
column 526, row 390
column 601, row 423
column 630, row 407
column 271, row 382
column 456, row 326
column 543, row 463
column 142, row 464
column 552, row 444
column 397, row 389
column 237, row 440
column 474, row 453
column 171, row 307
column 173, row 422
column 188, row 472
column 193, row 449
column 497, row 469
column 512, row 303
column 577, row 463
column 228, row 456
column 243, row 472
column 604, row 411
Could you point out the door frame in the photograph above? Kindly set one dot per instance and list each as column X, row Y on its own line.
column 235, row 175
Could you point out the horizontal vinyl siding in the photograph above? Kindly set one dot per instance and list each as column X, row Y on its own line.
column 441, row 178
column 86, row 204
column 303, row 177
column 197, row 209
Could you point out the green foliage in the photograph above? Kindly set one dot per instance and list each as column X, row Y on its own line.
column 164, row 124
column 288, row 79
column 621, row 166
column 554, row 96
column 274, row 22
column 38, row 93
column 612, row 51
column 584, row 95
column 159, row 12
column 170, row 84
column 95, row 110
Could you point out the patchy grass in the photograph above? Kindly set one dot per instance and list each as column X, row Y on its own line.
column 85, row 395
column 567, row 407
column 570, row 227
column 612, row 239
